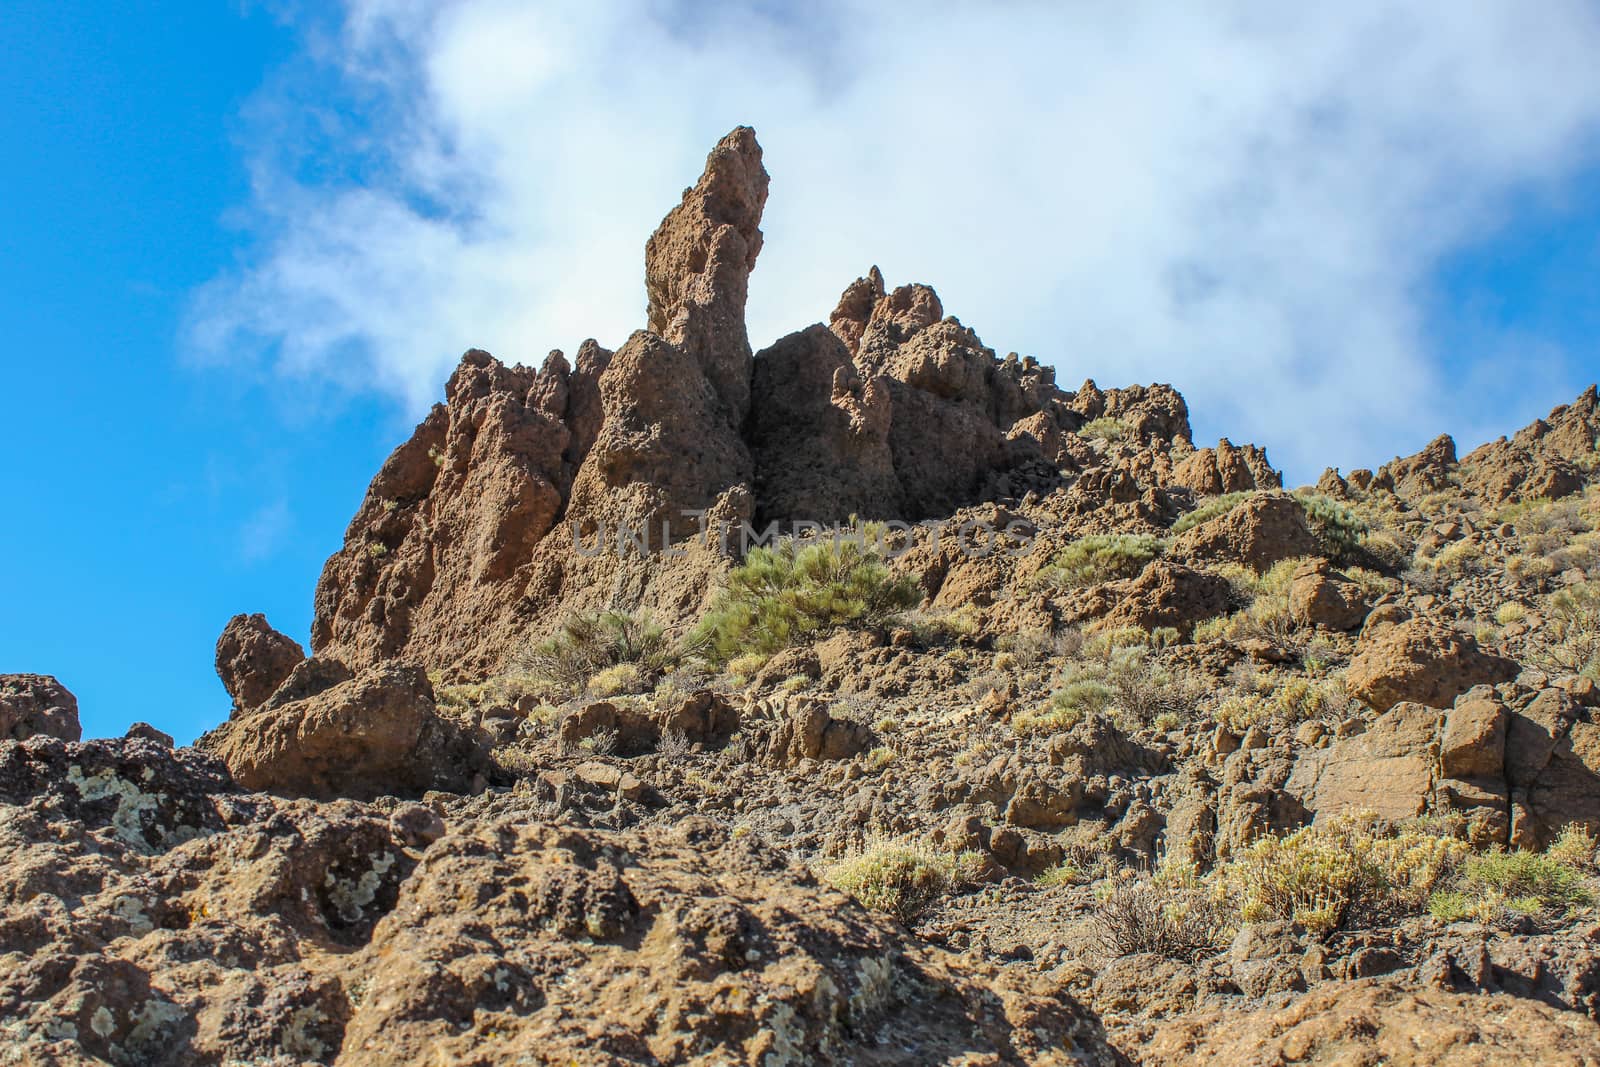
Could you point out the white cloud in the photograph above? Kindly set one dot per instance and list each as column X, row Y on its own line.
column 1244, row 199
column 262, row 534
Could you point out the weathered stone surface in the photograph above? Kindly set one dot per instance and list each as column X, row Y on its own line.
column 1226, row 469
column 698, row 264
column 1473, row 744
column 1376, row 1021
column 1416, row 476
column 34, row 704
column 1164, row 594
column 1543, row 460
column 638, row 948
column 1389, row 769
column 820, row 433
column 808, row 731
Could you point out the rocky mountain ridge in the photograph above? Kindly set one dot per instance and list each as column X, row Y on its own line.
column 1205, row 771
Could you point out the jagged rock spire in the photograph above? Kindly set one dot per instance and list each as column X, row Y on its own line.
column 698, row 263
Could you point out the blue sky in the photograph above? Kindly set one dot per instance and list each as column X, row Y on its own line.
column 245, row 248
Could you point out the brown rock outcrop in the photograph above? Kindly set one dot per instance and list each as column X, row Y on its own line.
column 1415, row 476
column 1164, row 594
column 1389, row 769
column 1420, row 660
column 1545, row 459
column 808, row 731
column 1226, row 469
column 34, row 704
column 431, row 559
column 529, row 495
column 253, row 659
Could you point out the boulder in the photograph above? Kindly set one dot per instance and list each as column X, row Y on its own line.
column 145, row 732
column 310, row 676
column 630, row 728
column 253, row 660
column 1552, row 768
column 1319, row 596
column 1473, row 744
column 808, row 731
column 34, row 704
column 1423, row 661
column 1257, row 533
column 703, row 717
column 377, row 734
column 1163, row 594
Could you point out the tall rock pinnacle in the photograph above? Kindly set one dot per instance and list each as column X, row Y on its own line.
column 698, row 264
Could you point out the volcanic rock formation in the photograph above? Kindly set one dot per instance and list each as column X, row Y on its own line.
column 1159, row 763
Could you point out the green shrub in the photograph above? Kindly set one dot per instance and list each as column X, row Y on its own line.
column 898, row 878
column 1523, row 882
column 1125, row 684
column 1210, row 509
column 1570, row 636
column 1061, row 874
column 588, row 644
column 1100, row 558
column 1288, row 703
column 795, row 591
column 1324, row 875
column 1338, row 529
column 1106, row 429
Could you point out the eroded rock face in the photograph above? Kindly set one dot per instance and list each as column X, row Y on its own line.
column 1320, row 596
column 159, row 916
column 528, row 495
column 1164, row 594
column 253, row 659
column 1415, row 476
column 808, row 731
column 33, row 704
column 1420, row 660
column 1542, row 460
column 1388, row 769
column 433, row 554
